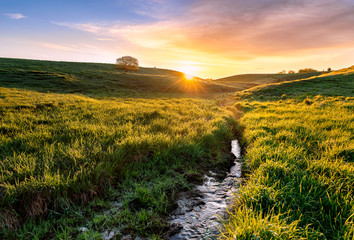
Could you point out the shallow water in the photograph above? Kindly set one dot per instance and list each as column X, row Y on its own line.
column 199, row 210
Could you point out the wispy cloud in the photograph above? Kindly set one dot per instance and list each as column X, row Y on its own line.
column 15, row 15
column 104, row 39
column 58, row 47
column 96, row 28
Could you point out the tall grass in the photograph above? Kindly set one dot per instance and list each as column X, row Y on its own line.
column 58, row 151
column 299, row 162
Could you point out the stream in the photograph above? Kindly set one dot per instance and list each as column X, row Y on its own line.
column 199, row 210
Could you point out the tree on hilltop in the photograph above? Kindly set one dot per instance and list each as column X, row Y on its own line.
column 127, row 63
column 307, row 70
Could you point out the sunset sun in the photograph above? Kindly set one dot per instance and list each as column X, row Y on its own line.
column 188, row 76
column 189, row 71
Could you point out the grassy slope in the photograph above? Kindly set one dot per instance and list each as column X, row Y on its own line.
column 299, row 161
column 245, row 81
column 64, row 158
column 97, row 79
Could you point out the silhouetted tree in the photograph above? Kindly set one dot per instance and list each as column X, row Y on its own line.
column 282, row 72
column 291, row 72
column 329, row 69
column 307, row 70
column 127, row 63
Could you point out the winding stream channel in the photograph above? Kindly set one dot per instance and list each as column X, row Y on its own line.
column 199, row 210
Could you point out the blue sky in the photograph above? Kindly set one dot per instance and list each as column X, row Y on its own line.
column 78, row 10
column 209, row 38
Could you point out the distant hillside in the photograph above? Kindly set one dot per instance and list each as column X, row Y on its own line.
column 335, row 83
column 97, row 78
column 245, row 81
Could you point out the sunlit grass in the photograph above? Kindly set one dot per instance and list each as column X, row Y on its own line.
column 299, row 162
column 59, row 151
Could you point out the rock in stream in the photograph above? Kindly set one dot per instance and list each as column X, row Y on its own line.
column 199, row 210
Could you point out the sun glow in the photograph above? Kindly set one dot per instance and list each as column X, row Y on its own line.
column 189, row 71
column 188, row 77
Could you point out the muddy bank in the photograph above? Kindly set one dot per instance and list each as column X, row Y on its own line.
column 199, row 210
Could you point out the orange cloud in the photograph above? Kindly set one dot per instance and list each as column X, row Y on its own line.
column 237, row 35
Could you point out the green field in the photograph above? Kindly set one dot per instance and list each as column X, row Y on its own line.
column 86, row 148
column 299, row 161
column 66, row 157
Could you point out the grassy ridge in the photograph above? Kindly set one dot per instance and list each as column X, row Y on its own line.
column 245, row 81
column 336, row 83
column 299, row 161
column 97, row 79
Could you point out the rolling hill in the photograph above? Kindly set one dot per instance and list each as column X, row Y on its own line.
column 96, row 79
column 335, row 83
column 245, row 81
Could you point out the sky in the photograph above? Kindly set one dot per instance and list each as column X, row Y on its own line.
column 206, row 38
